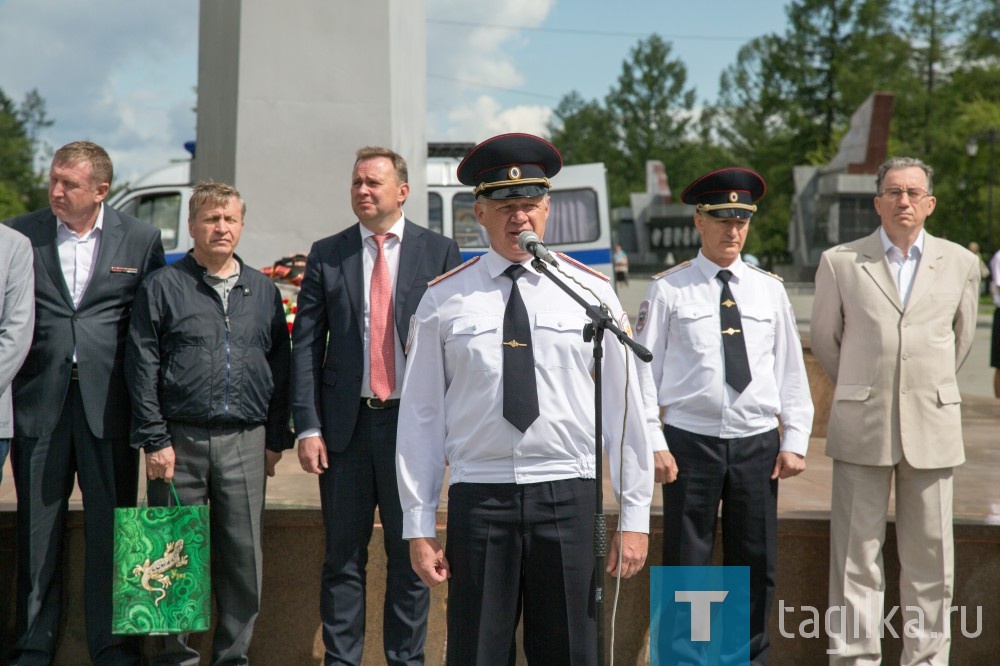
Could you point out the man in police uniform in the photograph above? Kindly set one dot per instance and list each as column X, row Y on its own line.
column 727, row 365
column 498, row 387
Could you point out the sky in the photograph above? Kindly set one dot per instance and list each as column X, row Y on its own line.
column 122, row 73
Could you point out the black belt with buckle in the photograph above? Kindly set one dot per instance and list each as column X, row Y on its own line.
column 74, row 373
column 375, row 403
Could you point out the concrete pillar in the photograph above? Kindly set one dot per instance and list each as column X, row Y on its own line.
column 287, row 92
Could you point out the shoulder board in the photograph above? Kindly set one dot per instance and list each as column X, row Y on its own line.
column 583, row 267
column 674, row 269
column 761, row 270
column 457, row 269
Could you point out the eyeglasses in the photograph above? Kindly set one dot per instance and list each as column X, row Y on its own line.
column 914, row 194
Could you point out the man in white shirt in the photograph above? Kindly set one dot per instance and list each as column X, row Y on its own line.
column 727, row 365
column 499, row 388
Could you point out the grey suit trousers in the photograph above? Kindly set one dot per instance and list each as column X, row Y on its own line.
column 226, row 469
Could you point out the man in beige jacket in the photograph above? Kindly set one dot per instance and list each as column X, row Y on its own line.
column 893, row 319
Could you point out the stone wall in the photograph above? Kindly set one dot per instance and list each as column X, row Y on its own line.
column 288, row 628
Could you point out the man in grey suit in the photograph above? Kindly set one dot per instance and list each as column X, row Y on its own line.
column 71, row 405
column 17, row 318
column 347, row 373
column 892, row 321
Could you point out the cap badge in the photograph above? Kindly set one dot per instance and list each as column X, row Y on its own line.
column 734, row 197
column 514, row 173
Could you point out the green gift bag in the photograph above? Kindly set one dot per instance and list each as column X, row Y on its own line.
column 162, row 577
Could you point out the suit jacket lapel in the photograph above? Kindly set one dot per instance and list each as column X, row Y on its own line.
column 111, row 238
column 928, row 270
column 410, row 255
column 354, row 273
column 877, row 266
column 45, row 235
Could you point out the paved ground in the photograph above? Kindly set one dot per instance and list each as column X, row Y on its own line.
column 977, row 487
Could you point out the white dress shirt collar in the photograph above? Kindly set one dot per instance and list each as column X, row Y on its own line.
column 710, row 269
column 496, row 263
column 63, row 232
column 887, row 244
column 396, row 229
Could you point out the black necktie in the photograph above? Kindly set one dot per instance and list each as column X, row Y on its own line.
column 733, row 345
column 520, row 396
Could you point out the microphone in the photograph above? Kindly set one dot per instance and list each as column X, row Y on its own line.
column 529, row 242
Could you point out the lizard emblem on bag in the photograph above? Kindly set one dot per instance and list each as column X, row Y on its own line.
column 162, row 570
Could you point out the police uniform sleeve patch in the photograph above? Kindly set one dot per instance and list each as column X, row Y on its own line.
column 640, row 322
column 625, row 324
column 671, row 271
column 761, row 270
column 583, row 267
column 457, row 269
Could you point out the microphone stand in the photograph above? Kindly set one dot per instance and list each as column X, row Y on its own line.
column 594, row 331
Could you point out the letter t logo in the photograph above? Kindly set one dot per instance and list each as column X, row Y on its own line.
column 701, row 610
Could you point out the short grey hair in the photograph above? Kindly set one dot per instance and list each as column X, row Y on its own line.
column 903, row 163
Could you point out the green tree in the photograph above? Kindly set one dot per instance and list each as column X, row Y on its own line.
column 956, row 59
column 20, row 182
column 752, row 120
column 833, row 55
column 652, row 109
column 788, row 99
column 982, row 31
column 931, row 29
column 647, row 115
column 584, row 131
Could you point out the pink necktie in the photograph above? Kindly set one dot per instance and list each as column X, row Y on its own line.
column 382, row 353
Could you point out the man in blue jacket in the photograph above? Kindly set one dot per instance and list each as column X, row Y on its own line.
column 208, row 356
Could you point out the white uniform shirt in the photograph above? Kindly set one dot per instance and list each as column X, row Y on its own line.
column 679, row 322
column 452, row 408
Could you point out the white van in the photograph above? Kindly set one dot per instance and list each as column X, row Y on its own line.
column 578, row 225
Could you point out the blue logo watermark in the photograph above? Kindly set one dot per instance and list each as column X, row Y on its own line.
column 699, row 615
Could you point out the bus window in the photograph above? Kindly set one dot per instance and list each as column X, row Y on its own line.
column 466, row 229
column 162, row 210
column 435, row 212
column 573, row 217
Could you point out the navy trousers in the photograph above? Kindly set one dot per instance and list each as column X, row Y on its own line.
column 359, row 479
column 737, row 473
column 521, row 547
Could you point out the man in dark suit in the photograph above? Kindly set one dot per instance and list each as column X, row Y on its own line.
column 72, row 409
column 360, row 289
